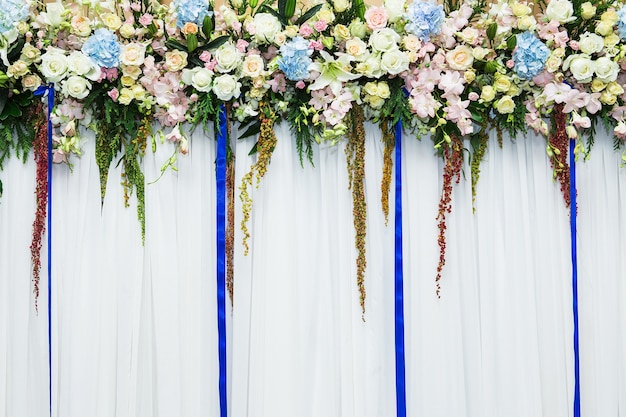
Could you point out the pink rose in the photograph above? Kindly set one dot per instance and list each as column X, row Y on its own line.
column 300, row 85
column 320, row 25
column 241, row 45
column 376, row 17
column 305, row 30
column 114, row 94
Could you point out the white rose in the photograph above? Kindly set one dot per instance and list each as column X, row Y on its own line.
column 395, row 9
column 53, row 65
column 412, row 42
column 526, row 23
column 280, row 38
column 587, row 10
column 505, row 105
column 553, row 63
column 76, row 86
column 112, row 21
column 371, row 88
column 561, row 11
column 127, row 30
column 384, row 40
column 325, row 14
column 131, row 71
column 590, row 43
column 81, row 25
column 581, row 66
column 266, row 27
column 228, row 58
column 341, row 5
column 370, row 67
column 520, row 9
column 79, row 64
column 175, row 60
column 200, row 78
column 487, row 93
column 54, row 13
column 394, row 62
column 469, row 35
column 606, row 69
column 355, row 47
column 31, row 82
column 18, row 69
column 253, row 66
column 383, row 90
column 226, row 87
column 460, row 58
column 30, row 54
column 604, row 28
column 133, row 54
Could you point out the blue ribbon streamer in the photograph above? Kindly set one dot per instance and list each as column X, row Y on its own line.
column 41, row 91
column 573, row 208
column 222, row 136
column 399, row 283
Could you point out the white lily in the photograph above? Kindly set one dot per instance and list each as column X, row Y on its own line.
column 333, row 72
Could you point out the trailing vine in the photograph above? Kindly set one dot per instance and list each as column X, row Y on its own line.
column 230, row 229
column 264, row 148
column 453, row 165
column 355, row 153
column 479, row 144
column 389, row 140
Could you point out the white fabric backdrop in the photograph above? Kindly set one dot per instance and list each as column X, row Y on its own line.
column 135, row 330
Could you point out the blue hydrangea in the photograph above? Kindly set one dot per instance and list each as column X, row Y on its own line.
column 193, row 11
column 621, row 23
column 424, row 19
column 11, row 12
column 295, row 59
column 103, row 48
column 530, row 56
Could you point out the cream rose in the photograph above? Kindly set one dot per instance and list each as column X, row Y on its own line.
column 553, row 63
column 253, row 66
column 376, row 17
column 53, row 65
column 597, row 86
column 341, row 5
column 394, row 62
column 610, row 16
column 228, row 58
column 226, row 87
column 520, row 9
column 615, row 89
column 479, row 52
column 111, row 20
column 527, row 23
column 384, row 40
column 606, row 69
column 175, row 60
column 126, row 96
column 412, row 42
column 604, row 28
column 266, row 27
column 30, row 54
column 488, row 93
column 81, row 26
column 18, row 69
column 127, row 30
column 133, row 54
column 383, row 90
column 502, row 84
column 460, row 58
column 200, row 78
column 31, row 82
column 325, row 14
column 611, row 40
column 127, row 80
column 139, row 93
column 79, row 64
column 280, row 38
column 375, row 101
column 587, row 10
column 607, row 98
column 371, row 88
column 505, row 105
column 76, row 86
column 581, row 66
column 355, row 47
column 590, row 43
column 341, row 32
column 291, row 31
column 561, row 11
column 131, row 71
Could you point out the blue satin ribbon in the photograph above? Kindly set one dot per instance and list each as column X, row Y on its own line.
column 41, row 91
column 572, row 191
column 222, row 137
column 399, row 283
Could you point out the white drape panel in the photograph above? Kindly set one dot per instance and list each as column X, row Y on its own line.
column 135, row 327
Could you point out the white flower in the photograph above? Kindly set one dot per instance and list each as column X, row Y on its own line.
column 111, row 20
column 355, row 47
column 133, row 54
column 175, row 60
column 581, row 66
column 228, row 58
column 252, row 66
column 395, row 9
column 370, row 67
column 266, row 27
column 54, row 13
column 226, row 87
column 30, row 54
column 341, row 5
column 80, row 64
column 606, row 69
column 505, row 105
column 127, row 30
column 53, row 65
column 394, row 62
column 590, row 43
column 199, row 77
column 31, row 82
column 384, row 40
column 333, row 72
column 76, row 86
column 561, row 11
column 460, row 58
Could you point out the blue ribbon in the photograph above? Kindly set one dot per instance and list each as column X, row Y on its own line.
column 399, row 283
column 41, row 91
column 572, row 191
column 222, row 136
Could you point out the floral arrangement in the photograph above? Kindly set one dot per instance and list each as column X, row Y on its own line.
column 453, row 71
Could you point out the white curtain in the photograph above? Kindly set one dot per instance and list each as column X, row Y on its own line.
column 135, row 326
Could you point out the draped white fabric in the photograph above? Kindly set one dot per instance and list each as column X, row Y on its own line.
column 135, row 326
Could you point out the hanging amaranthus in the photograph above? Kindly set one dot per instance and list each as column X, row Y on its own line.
column 479, row 144
column 453, row 164
column 230, row 228
column 40, row 150
column 389, row 140
column 558, row 145
column 265, row 146
column 355, row 152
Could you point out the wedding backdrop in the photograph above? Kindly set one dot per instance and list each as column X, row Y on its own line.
column 264, row 209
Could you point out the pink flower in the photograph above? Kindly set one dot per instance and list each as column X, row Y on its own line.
column 510, row 63
column 473, row 96
column 278, row 83
column 300, row 85
column 543, row 78
column 205, row 56
column 183, row 146
column 146, row 19
column 574, row 45
column 580, row 121
column 114, row 94
column 305, row 30
column 135, row 7
column 376, row 17
column 457, row 110
column 465, row 126
column 316, row 45
column 320, row 25
column 241, row 45
column 592, row 103
column 342, row 103
column 174, row 136
column 332, row 117
column 424, row 105
column 452, row 84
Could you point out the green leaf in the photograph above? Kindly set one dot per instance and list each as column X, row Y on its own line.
column 217, row 42
column 4, row 96
column 511, row 43
column 0, row 188
column 273, row 12
column 254, row 149
column 282, row 5
column 253, row 130
column 16, row 49
column 308, row 14
column 290, row 9
column 10, row 109
column 174, row 44
column 192, row 42
column 492, row 30
column 359, row 9
column 207, row 26
column 491, row 67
